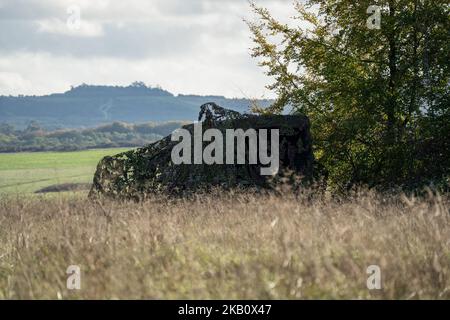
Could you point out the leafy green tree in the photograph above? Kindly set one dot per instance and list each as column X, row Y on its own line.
column 377, row 94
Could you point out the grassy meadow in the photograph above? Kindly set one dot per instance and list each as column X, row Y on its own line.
column 226, row 245
column 223, row 245
column 27, row 172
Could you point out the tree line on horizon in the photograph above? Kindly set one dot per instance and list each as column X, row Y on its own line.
column 117, row 134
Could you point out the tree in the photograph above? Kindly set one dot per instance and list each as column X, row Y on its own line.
column 378, row 98
column 6, row 129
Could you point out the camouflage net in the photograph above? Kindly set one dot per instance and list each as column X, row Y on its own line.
column 148, row 170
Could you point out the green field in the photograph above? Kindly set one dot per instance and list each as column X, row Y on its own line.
column 28, row 172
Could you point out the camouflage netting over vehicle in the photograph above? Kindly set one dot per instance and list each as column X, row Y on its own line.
column 137, row 173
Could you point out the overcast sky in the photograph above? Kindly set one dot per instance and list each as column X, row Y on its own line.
column 185, row 46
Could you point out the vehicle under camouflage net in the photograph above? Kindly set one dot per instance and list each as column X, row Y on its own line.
column 137, row 173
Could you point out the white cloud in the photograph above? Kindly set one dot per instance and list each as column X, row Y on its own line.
column 57, row 26
column 195, row 46
column 43, row 73
column 13, row 82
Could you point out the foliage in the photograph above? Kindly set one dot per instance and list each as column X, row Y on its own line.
column 117, row 134
column 378, row 99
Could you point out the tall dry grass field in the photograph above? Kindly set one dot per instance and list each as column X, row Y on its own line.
column 226, row 245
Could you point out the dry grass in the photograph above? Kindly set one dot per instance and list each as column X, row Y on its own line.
column 226, row 246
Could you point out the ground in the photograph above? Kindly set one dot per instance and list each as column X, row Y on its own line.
column 226, row 245
column 221, row 245
column 28, row 172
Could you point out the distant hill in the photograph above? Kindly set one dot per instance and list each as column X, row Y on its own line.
column 92, row 105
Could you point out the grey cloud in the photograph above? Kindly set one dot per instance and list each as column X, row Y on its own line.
column 39, row 9
column 168, row 41
column 132, row 40
column 28, row 10
column 150, row 38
